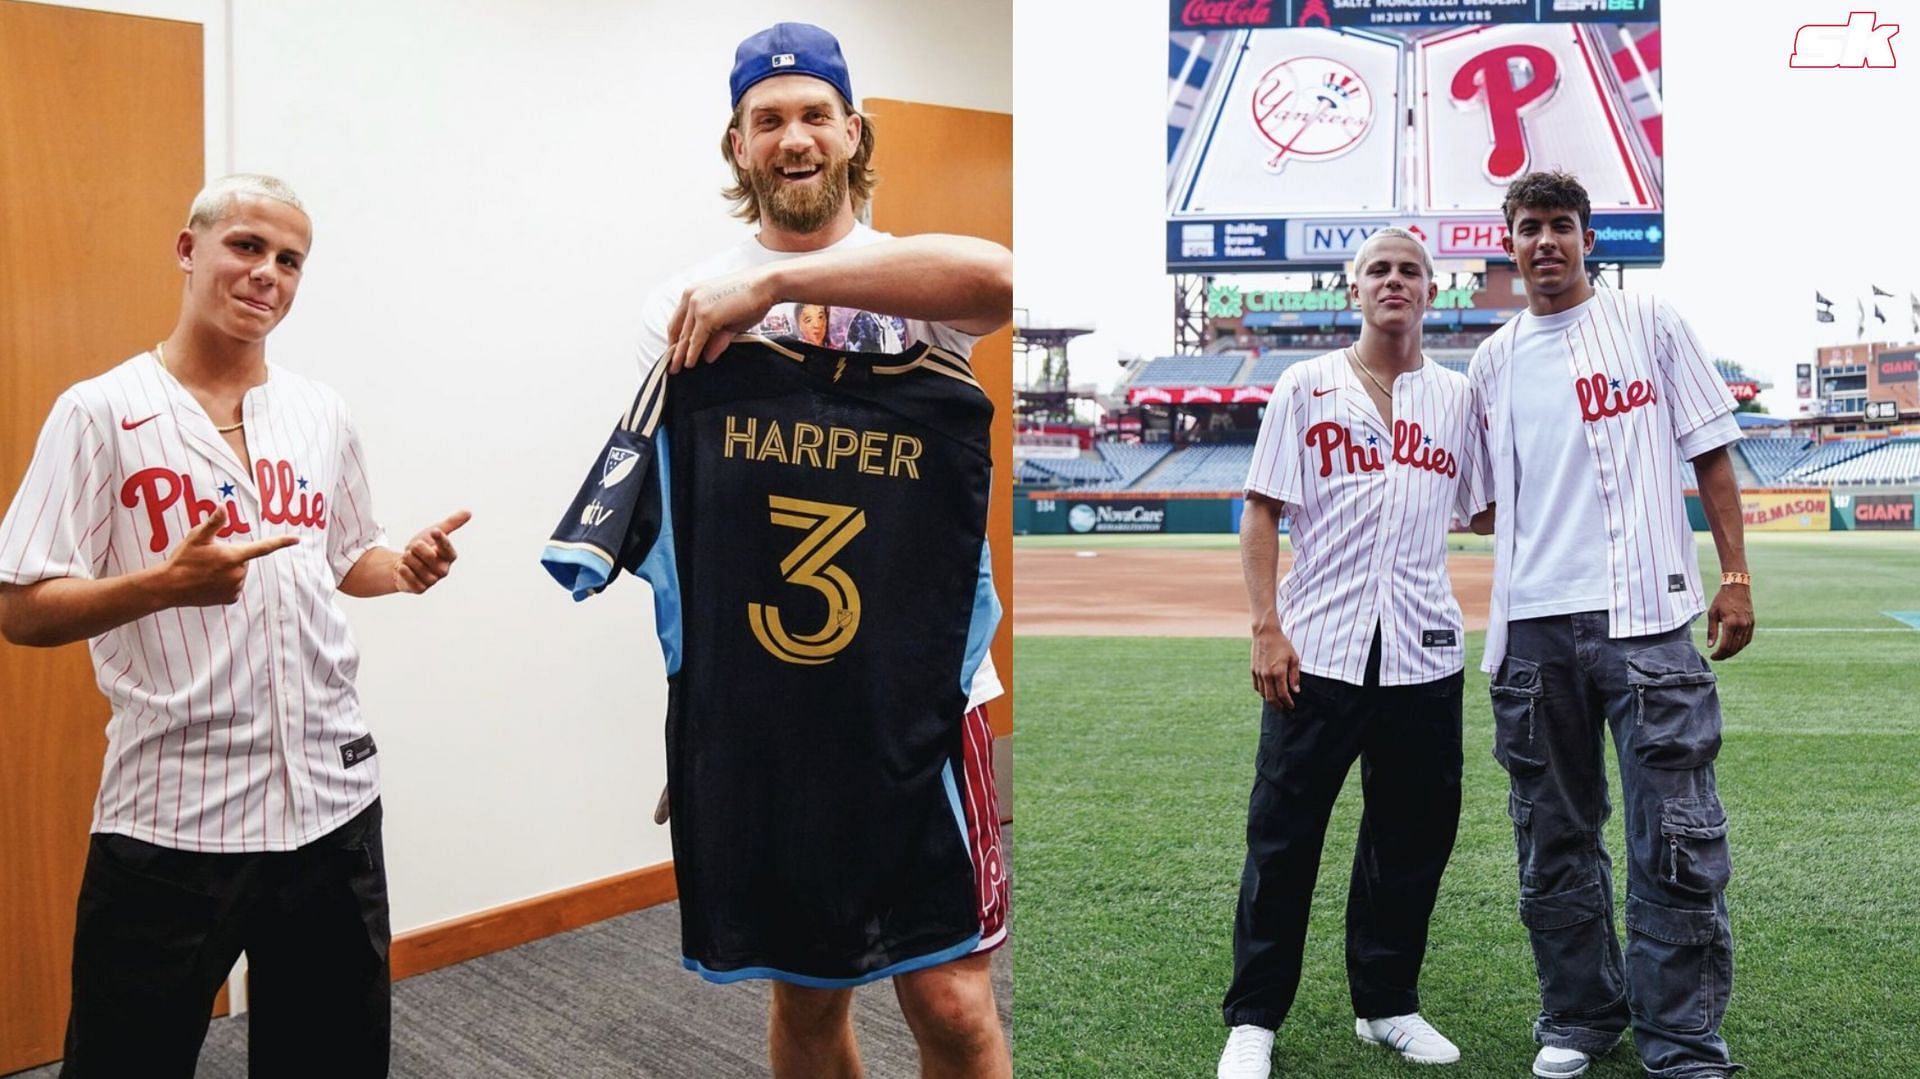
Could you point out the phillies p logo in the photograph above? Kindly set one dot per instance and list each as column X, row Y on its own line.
column 1508, row 81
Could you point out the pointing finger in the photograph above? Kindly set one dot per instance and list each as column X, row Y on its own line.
column 250, row 551
column 455, row 520
column 204, row 531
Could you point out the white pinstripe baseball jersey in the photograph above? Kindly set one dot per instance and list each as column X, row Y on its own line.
column 234, row 728
column 1370, row 508
column 1647, row 396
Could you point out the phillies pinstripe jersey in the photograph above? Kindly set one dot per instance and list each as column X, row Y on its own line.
column 1646, row 396
column 235, row 728
column 813, row 525
column 1370, row 508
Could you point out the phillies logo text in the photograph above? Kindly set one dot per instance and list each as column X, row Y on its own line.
column 1411, row 447
column 159, row 489
column 1858, row 42
column 1595, row 404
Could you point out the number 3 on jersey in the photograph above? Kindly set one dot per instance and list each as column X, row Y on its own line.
column 829, row 527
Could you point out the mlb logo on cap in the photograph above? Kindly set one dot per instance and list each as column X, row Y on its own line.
column 790, row 48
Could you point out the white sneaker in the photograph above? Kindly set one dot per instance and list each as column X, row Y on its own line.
column 1249, row 1054
column 1410, row 1036
column 1553, row 1062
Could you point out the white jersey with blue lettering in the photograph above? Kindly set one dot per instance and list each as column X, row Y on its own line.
column 1370, row 507
column 234, row 728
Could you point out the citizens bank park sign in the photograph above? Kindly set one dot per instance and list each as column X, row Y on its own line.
column 1297, row 128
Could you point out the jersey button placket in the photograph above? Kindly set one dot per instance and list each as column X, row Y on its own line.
column 1393, row 499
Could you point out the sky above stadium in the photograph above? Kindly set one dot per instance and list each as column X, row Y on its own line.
column 1779, row 182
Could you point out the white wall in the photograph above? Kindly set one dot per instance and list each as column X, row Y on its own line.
column 495, row 186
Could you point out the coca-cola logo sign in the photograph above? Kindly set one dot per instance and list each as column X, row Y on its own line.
column 1235, row 14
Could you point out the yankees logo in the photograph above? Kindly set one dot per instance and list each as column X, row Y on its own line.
column 1512, row 80
column 1312, row 107
column 160, row 489
column 1595, row 405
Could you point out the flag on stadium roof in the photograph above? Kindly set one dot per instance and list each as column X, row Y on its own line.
column 1878, row 291
column 1877, row 314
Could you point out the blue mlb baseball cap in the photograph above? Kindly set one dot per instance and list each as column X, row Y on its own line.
column 790, row 48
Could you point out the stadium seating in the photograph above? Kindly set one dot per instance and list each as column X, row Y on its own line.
column 1895, row 460
column 1129, row 460
column 1827, row 456
column 1190, row 371
column 1772, row 458
column 1117, row 466
column 1267, row 369
column 1206, row 468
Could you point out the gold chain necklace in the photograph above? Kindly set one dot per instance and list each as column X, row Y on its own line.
column 160, row 353
column 1354, row 355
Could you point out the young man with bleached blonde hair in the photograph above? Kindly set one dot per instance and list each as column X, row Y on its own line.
column 1357, row 653
column 192, row 514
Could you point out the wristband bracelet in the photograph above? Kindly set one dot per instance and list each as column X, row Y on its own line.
column 1737, row 578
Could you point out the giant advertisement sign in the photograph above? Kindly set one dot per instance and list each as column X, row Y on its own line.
column 1296, row 128
column 1883, row 512
column 1896, row 379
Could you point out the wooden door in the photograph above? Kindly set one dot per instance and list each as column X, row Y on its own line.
column 101, row 123
column 944, row 169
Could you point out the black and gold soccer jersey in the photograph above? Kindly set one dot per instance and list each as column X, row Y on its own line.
column 813, row 525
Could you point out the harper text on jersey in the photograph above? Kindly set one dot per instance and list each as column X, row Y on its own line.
column 807, row 444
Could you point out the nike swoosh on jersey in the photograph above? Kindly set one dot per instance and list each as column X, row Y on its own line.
column 128, row 425
column 1323, row 393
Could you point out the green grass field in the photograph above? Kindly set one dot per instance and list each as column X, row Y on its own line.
column 1134, row 761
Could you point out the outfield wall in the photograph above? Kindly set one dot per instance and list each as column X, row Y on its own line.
column 1042, row 511
column 1055, row 513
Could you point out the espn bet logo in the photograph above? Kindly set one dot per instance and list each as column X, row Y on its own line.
column 1858, row 42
